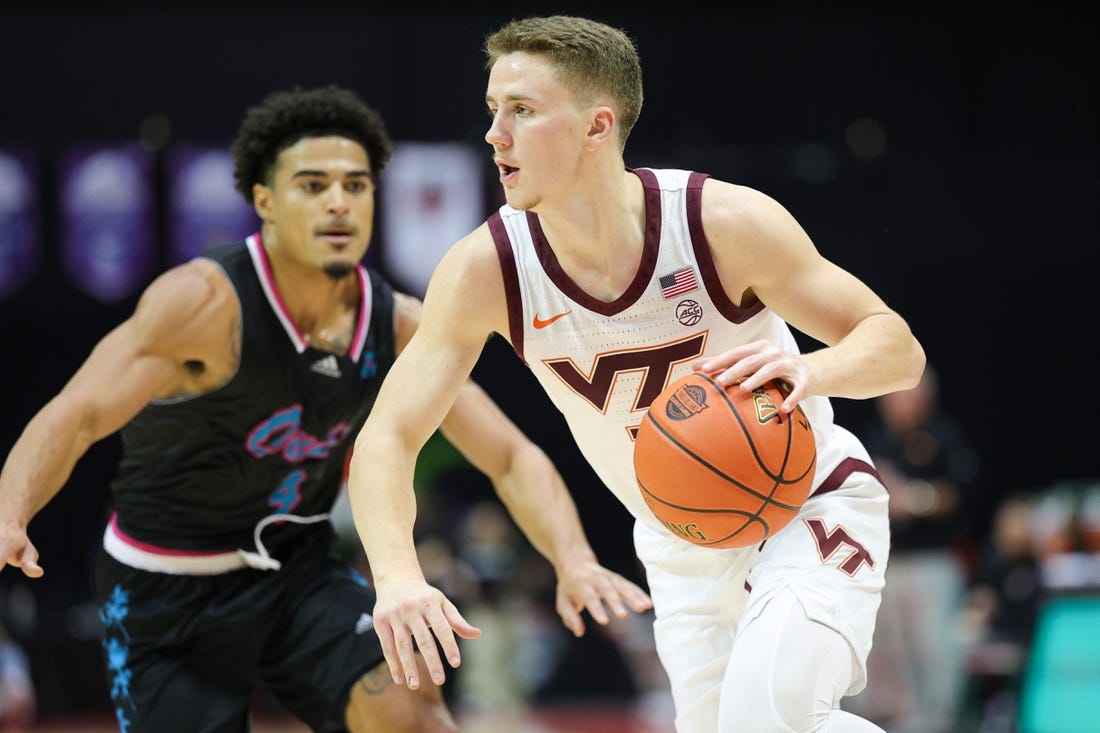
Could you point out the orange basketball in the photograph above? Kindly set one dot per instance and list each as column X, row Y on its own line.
column 724, row 468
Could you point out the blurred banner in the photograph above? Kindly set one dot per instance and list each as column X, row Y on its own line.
column 20, row 251
column 204, row 208
column 107, row 217
column 432, row 196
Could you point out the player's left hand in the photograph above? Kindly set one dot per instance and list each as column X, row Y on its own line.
column 751, row 365
column 588, row 585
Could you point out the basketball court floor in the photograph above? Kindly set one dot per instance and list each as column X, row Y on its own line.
column 565, row 719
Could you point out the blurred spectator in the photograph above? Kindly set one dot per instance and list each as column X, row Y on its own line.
column 17, row 698
column 926, row 458
column 488, row 543
column 1067, row 527
column 1002, row 610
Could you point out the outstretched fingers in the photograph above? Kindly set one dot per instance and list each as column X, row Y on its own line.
column 598, row 590
column 427, row 629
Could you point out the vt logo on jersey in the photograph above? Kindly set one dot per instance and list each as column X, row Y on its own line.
column 654, row 363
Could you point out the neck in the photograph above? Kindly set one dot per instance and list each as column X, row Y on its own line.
column 598, row 238
column 316, row 301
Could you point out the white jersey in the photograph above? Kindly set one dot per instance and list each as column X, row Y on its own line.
column 602, row 364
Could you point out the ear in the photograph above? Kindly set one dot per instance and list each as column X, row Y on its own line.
column 261, row 201
column 602, row 128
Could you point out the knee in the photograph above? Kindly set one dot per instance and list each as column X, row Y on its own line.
column 763, row 706
column 436, row 719
column 420, row 718
column 747, row 713
column 376, row 705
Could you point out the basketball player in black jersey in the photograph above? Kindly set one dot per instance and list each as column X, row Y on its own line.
column 238, row 384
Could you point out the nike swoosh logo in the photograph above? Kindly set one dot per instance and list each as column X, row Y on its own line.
column 539, row 323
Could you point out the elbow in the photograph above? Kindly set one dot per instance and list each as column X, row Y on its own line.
column 523, row 460
column 917, row 362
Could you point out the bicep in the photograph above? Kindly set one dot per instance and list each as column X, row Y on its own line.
column 115, row 382
column 423, row 383
column 823, row 300
column 480, row 430
column 142, row 358
column 461, row 309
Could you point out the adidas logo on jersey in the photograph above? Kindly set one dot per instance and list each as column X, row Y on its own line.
column 327, row 366
column 364, row 624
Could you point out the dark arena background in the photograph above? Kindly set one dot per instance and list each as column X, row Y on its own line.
column 948, row 157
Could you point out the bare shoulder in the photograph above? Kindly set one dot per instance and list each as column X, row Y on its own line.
column 752, row 224
column 474, row 253
column 754, row 241
column 193, row 284
column 469, row 262
column 467, row 287
column 731, row 208
column 187, row 306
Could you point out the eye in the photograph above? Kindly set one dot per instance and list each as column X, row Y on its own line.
column 312, row 186
column 358, row 185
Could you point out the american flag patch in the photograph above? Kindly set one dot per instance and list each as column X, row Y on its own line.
column 681, row 281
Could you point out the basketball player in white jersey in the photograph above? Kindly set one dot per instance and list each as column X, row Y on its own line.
column 609, row 283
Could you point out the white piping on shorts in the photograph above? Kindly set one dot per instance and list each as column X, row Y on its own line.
column 153, row 559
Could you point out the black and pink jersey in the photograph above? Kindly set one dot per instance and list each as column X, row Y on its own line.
column 199, row 473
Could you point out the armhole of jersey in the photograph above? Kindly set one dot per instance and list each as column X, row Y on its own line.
column 511, row 282
column 242, row 334
column 366, row 313
column 381, row 324
column 694, row 206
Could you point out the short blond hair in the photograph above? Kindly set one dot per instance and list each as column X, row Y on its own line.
column 591, row 58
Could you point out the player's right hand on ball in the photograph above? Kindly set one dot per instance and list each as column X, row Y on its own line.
column 18, row 551
column 411, row 617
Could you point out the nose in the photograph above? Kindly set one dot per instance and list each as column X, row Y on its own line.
column 495, row 135
column 337, row 199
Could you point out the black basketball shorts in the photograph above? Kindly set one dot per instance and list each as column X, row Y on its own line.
column 184, row 652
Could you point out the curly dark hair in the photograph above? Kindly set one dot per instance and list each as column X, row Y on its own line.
column 285, row 117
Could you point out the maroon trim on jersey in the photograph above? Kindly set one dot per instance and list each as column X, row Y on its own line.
column 841, row 473
column 646, row 267
column 699, row 243
column 511, row 281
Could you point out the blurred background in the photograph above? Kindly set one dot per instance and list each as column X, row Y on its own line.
column 945, row 155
